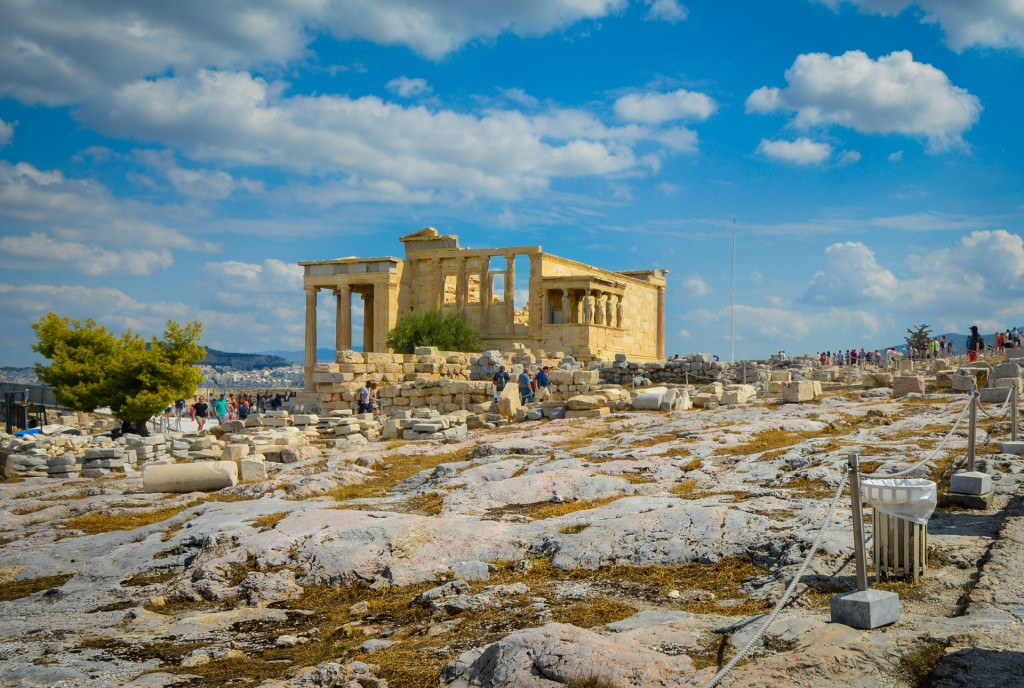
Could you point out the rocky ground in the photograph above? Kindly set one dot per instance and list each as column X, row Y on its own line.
column 638, row 548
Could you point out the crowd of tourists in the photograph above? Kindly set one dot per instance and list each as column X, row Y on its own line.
column 225, row 407
column 935, row 348
column 533, row 385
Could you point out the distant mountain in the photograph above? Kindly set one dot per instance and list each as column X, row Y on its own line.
column 322, row 355
column 224, row 359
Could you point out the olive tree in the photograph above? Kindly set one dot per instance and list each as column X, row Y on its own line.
column 91, row 367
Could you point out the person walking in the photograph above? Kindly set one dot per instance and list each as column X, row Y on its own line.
column 200, row 410
column 541, row 382
column 501, row 378
column 220, row 408
column 975, row 344
column 525, row 387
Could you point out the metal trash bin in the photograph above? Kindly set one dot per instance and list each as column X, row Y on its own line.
column 900, row 512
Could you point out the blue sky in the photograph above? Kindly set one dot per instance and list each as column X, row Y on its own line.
column 176, row 160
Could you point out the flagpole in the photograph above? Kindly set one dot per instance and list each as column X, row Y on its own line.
column 732, row 338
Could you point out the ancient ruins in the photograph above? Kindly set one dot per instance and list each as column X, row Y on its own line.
column 583, row 311
column 638, row 527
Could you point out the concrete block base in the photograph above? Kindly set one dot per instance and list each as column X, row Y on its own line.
column 970, row 483
column 866, row 609
column 1013, row 447
column 980, row 502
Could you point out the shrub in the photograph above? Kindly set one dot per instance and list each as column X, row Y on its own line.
column 448, row 332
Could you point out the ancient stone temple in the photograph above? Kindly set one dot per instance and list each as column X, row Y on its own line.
column 581, row 310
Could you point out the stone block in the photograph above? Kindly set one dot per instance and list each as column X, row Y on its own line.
column 252, row 468
column 963, row 382
column 866, row 609
column 1013, row 447
column 968, row 501
column 798, row 392
column 584, row 402
column 1008, row 369
column 305, row 419
column 781, row 376
column 648, row 400
column 902, row 385
column 189, row 477
column 995, row 395
column 425, row 351
column 234, row 452
column 1012, row 354
column 1008, row 382
column 588, row 413
column 105, row 463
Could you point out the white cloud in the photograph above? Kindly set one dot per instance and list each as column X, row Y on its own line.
column 696, row 286
column 520, row 97
column 192, row 182
column 666, row 10
column 851, row 157
column 235, row 118
column 803, row 151
column 408, row 88
column 37, row 251
column 986, row 23
column 655, row 108
column 851, row 276
column 76, row 225
column 895, row 157
column 239, row 285
column 64, row 51
column 891, row 95
column 435, row 28
column 6, row 132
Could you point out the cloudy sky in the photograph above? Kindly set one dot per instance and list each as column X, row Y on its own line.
column 165, row 160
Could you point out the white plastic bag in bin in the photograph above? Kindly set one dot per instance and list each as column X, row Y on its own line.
column 912, row 499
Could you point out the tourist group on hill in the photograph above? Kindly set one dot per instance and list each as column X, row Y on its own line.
column 937, row 347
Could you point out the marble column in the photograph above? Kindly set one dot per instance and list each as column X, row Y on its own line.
column 343, row 325
column 485, row 295
column 510, row 293
column 661, row 323
column 537, row 299
column 462, row 287
column 310, row 357
column 368, row 322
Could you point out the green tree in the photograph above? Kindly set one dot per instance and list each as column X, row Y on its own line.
column 91, row 367
column 448, row 332
column 918, row 338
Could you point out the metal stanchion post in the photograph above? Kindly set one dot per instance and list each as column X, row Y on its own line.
column 858, row 523
column 1013, row 411
column 971, row 488
column 972, row 427
column 863, row 608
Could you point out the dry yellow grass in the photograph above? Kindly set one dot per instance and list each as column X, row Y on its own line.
column 615, row 593
column 16, row 589
column 540, row 511
column 402, row 467
column 95, row 523
column 267, row 521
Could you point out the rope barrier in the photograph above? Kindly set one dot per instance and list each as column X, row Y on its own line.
column 724, row 671
column 935, row 452
column 745, row 650
column 1002, row 411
